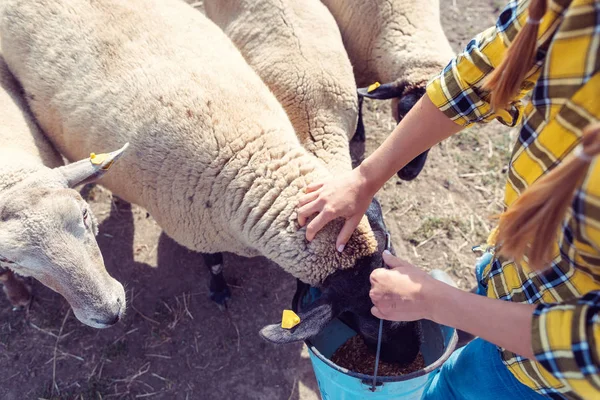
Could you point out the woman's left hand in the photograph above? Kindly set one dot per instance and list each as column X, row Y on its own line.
column 407, row 293
column 401, row 293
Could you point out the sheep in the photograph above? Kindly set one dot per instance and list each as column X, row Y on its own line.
column 297, row 50
column 47, row 231
column 400, row 43
column 215, row 159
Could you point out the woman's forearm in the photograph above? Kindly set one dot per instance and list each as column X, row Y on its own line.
column 503, row 323
column 423, row 127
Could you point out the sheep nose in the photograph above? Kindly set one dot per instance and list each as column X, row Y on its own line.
column 113, row 319
column 108, row 322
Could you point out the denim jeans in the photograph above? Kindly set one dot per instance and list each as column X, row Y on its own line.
column 476, row 371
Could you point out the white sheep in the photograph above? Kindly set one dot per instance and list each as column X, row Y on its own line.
column 399, row 43
column 47, row 231
column 214, row 158
column 297, row 50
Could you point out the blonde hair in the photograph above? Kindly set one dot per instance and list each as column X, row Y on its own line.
column 505, row 80
column 530, row 225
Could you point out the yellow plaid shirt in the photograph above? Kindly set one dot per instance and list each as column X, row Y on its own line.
column 565, row 88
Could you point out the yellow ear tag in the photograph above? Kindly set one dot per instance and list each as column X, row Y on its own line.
column 289, row 319
column 373, row 87
column 97, row 159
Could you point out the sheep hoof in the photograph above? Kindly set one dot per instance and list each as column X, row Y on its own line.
column 221, row 297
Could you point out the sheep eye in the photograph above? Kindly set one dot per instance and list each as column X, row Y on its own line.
column 85, row 215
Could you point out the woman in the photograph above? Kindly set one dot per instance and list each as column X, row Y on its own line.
column 543, row 340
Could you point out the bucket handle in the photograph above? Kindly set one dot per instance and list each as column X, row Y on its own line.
column 388, row 245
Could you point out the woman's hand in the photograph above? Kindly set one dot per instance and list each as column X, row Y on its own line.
column 406, row 293
column 348, row 196
column 401, row 293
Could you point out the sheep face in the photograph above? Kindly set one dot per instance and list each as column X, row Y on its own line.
column 404, row 97
column 345, row 294
column 47, row 232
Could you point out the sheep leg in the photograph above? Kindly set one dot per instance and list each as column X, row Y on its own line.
column 16, row 289
column 219, row 291
column 360, row 135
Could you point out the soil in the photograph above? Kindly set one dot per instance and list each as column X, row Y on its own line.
column 174, row 343
column 354, row 355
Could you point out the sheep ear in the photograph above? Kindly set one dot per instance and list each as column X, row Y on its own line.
column 382, row 92
column 312, row 320
column 90, row 169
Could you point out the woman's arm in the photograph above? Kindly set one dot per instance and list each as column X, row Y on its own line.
column 454, row 99
column 503, row 323
column 407, row 293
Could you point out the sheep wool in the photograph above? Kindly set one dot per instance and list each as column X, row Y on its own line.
column 390, row 40
column 297, row 50
column 23, row 147
column 213, row 156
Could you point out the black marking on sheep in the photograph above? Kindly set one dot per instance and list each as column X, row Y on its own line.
column 345, row 294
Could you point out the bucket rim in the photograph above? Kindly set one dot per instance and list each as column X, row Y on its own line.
column 385, row 379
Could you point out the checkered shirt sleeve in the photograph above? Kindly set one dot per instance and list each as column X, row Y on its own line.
column 458, row 92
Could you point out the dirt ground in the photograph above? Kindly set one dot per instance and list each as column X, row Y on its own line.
column 176, row 344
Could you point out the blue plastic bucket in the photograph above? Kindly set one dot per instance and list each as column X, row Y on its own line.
column 337, row 383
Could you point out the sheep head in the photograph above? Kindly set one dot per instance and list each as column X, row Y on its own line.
column 404, row 97
column 47, row 231
column 345, row 294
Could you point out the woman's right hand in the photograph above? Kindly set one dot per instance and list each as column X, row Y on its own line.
column 347, row 196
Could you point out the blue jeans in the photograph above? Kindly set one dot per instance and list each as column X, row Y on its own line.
column 476, row 371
